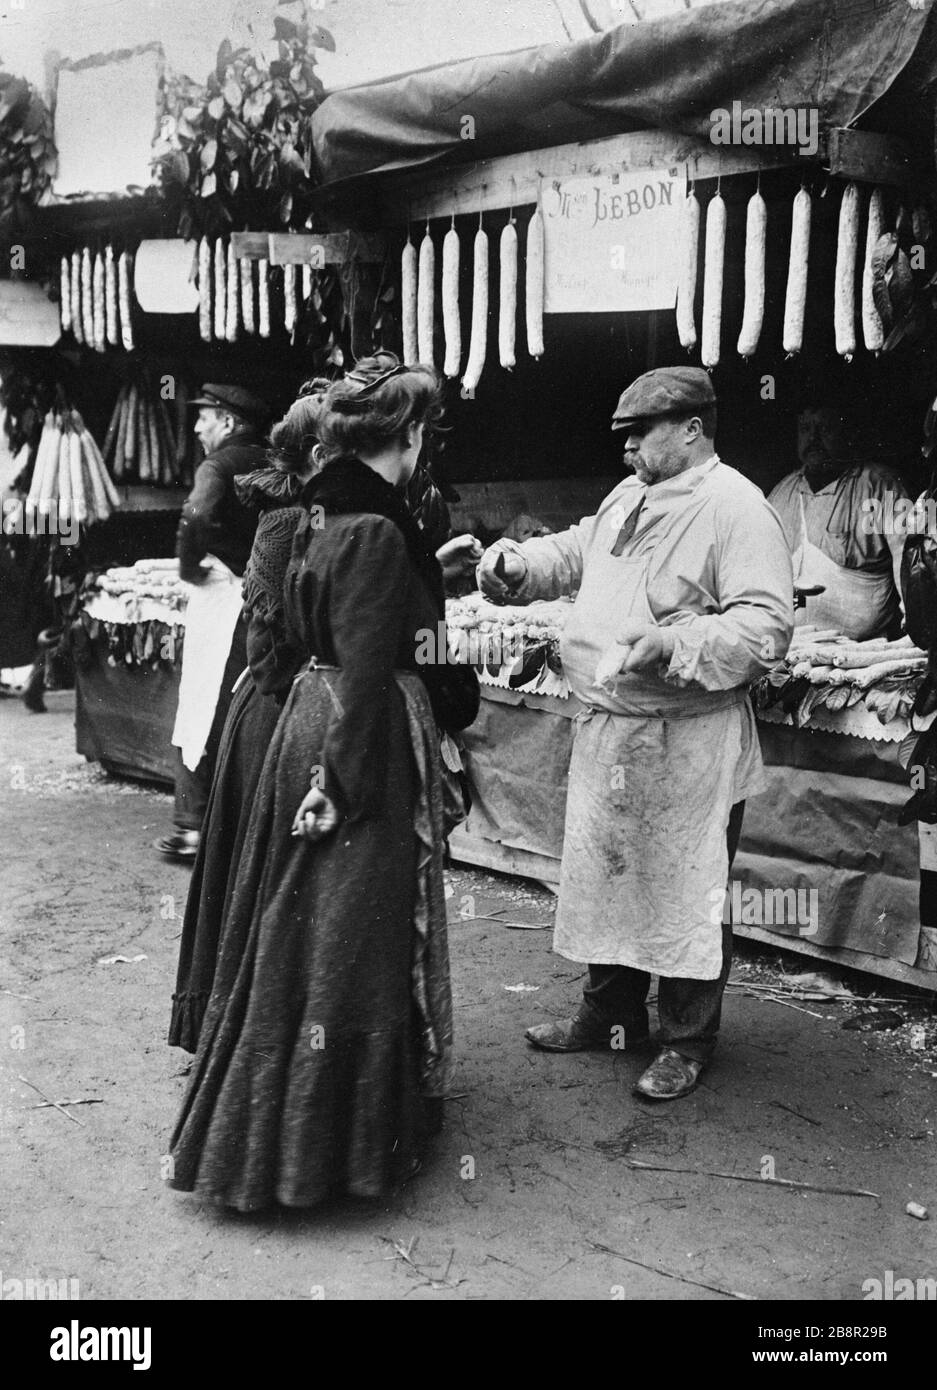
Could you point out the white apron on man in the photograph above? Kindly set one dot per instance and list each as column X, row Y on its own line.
column 211, row 615
column 660, row 759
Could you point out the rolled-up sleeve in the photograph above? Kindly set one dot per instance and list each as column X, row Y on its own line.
column 752, row 630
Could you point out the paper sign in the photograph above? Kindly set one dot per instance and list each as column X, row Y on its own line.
column 28, row 318
column 105, row 123
column 612, row 243
column 162, row 276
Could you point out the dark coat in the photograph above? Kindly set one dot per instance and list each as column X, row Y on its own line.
column 307, row 1077
column 213, row 520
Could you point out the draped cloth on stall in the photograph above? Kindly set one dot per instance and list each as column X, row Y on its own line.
column 669, row 74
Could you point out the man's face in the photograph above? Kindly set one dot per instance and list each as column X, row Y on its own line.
column 212, row 427
column 821, row 442
column 658, row 449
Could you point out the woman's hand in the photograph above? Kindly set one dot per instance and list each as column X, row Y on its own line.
column 317, row 816
column 459, row 556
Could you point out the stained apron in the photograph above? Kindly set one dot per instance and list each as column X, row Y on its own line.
column 644, row 868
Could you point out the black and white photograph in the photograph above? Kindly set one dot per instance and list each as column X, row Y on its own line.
column 468, row 666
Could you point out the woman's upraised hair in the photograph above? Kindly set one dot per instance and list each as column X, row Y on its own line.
column 376, row 403
column 292, row 437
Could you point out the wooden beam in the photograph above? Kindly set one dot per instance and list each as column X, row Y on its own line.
column 514, row 179
column 305, row 248
column 868, row 157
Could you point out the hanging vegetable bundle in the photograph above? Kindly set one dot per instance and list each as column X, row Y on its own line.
column 533, row 286
column 233, row 298
column 479, row 336
column 452, row 327
column 713, row 273
column 847, row 246
column 149, row 439
column 69, row 478
column 796, row 298
column 753, row 317
column 686, row 285
column 507, row 306
column 425, row 299
column 408, row 303
column 94, row 298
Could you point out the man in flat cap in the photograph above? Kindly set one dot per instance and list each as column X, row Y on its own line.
column 213, row 545
column 684, row 594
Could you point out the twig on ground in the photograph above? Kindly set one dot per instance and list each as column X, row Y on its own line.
column 42, row 1104
column 746, row 1177
column 791, row 1111
column 54, row 1103
column 666, row 1274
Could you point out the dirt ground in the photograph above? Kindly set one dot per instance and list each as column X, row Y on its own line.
column 529, row 1190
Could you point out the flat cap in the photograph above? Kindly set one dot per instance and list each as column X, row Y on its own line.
column 664, row 391
column 239, row 401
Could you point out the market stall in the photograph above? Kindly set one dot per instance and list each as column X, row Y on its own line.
column 541, row 277
column 172, row 246
column 830, row 749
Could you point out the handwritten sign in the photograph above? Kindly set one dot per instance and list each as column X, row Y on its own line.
column 611, row 243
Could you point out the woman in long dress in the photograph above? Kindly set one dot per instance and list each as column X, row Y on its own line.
column 273, row 660
column 325, row 1046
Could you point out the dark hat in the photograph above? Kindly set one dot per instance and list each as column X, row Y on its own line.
column 664, row 391
column 244, row 404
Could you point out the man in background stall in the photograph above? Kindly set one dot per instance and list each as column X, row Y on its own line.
column 838, row 515
column 684, row 595
column 213, row 545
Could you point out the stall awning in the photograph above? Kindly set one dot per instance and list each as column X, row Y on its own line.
column 839, row 56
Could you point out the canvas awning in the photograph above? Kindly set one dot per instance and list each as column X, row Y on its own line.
column 838, row 56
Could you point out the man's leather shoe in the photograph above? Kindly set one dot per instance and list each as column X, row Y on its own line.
column 669, row 1076
column 573, row 1035
column 182, row 844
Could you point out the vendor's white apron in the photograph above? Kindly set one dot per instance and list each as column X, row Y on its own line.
column 644, row 869
column 211, row 616
column 856, row 603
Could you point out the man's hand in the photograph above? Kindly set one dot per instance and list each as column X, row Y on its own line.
column 500, row 572
column 317, row 816
column 649, row 646
column 459, row 556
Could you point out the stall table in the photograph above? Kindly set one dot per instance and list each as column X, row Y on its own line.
column 826, row 823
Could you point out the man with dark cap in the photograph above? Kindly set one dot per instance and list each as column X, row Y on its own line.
column 684, row 594
column 213, row 545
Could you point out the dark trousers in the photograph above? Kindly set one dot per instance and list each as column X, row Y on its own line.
column 192, row 788
column 689, row 1010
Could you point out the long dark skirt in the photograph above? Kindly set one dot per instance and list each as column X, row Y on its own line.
column 306, row 1078
column 252, row 718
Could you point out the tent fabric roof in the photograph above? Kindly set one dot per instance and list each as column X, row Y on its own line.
column 839, row 56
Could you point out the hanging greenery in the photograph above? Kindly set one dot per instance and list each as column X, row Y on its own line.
column 27, row 149
column 237, row 152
